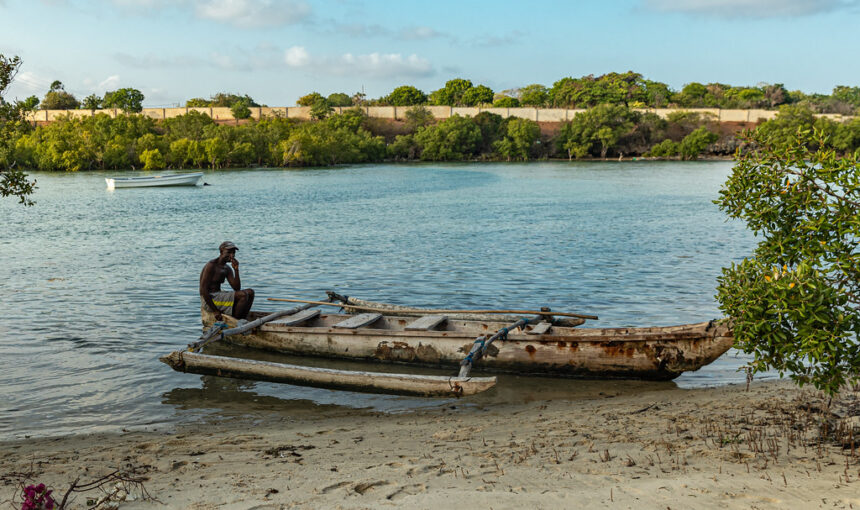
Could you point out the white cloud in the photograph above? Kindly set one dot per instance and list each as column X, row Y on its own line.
column 382, row 65
column 221, row 60
column 378, row 65
column 750, row 8
column 109, row 83
column 268, row 57
column 296, row 56
column 152, row 61
column 141, row 4
column 239, row 13
column 358, row 29
column 419, row 34
column 27, row 83
column 253, row 13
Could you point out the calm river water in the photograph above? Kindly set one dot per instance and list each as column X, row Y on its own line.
column 97, row 284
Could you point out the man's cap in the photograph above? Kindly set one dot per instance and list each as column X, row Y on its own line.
column 227, row 245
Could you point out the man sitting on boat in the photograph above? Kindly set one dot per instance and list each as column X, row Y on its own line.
column 237, row 302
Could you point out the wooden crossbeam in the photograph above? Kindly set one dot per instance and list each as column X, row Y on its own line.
column 297, row 318
column 540, row 328
column 426, row 323
column 358, row 321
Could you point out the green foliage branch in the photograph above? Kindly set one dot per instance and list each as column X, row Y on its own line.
column 696, row 142
column 13, row 181
column 506, row 102
column 129, row 100
column 405, row 95
column 596, row 130
column 795, row 303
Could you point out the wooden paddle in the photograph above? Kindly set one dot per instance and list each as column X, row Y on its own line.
column 424, row 311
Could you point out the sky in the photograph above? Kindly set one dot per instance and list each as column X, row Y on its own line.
column 278, row 50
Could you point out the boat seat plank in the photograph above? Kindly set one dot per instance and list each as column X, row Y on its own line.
column 426, row 323
column 359, row 320
column 540, row 328
column 297, row 318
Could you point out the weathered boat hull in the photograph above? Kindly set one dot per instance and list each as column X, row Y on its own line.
column 659, row 353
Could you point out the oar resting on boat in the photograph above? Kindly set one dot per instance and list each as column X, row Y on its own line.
column 369, row 382
column 420, row 311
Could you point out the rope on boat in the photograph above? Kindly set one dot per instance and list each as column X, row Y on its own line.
column 482, row 349
column 482, row 343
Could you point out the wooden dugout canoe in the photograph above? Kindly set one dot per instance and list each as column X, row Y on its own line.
column 655, row 353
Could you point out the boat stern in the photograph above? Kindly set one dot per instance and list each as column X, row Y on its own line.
column 716, row 339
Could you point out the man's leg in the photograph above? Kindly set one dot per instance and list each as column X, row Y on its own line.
column 244, row 300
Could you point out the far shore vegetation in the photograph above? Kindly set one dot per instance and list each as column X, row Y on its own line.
column 194, row 140
column 611, row 127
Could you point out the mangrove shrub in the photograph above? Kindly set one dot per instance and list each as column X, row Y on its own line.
column 795, row 301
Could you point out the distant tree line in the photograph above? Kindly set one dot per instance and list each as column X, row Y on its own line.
column 628, row 89
column 194, row 140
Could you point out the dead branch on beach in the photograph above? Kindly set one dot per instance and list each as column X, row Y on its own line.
column 113, row 488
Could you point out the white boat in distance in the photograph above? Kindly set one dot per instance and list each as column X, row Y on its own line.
column 194, row 179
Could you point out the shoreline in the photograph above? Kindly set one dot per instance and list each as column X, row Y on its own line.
column 671, row 448
column 417, row 162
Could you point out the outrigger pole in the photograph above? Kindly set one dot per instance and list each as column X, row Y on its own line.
column 425, row 311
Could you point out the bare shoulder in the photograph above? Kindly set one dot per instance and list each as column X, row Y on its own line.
column 210, row 266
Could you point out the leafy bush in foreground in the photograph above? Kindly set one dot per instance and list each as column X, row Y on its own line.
column 796, row 301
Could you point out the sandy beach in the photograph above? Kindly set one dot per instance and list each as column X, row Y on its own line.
column 725, row 447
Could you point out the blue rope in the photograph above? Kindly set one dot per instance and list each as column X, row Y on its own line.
column 480, row 340
column 502, row 335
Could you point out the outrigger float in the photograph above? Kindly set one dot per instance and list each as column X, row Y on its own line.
column 546, row 343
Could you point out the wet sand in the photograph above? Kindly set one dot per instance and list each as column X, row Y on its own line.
column 703, row 448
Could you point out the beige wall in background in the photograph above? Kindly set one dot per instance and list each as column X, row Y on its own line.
column 399, row 113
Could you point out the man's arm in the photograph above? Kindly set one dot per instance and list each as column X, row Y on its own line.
column 205, row 278
column 233, row 278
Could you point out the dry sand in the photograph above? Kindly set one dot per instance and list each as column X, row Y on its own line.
column 705, row 448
